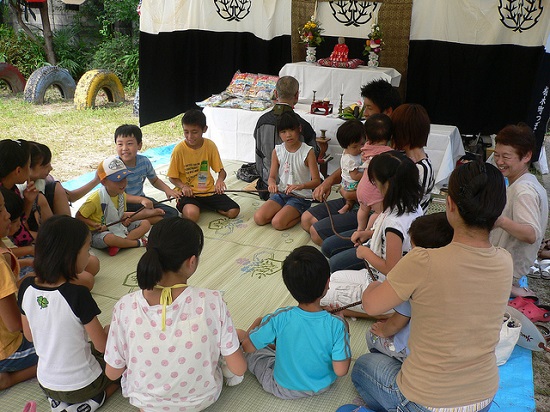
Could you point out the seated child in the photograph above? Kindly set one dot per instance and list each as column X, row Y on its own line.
column 105, row 210
column 17, row 355
column 189, row 171
column 128, row 140
column 312, row 344
column 390, row 336
column 294, row 166
column 351, row 136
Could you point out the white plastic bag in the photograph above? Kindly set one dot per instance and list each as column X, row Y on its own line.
column 509, row 335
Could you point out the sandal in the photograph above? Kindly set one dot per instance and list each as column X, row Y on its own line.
column 535, row 313
column 521, row 301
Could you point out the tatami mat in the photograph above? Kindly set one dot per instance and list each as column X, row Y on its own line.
column 244, row 261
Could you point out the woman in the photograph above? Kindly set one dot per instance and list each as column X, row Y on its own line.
column 451, row 362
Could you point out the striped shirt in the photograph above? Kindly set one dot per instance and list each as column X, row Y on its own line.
column 143, row 169
column 427, row 181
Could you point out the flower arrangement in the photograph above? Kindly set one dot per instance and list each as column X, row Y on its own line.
column 374, row 41
column 310, row 34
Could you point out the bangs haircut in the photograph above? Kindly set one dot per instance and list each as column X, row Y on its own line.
column 41, row 154
column 305, row 274
column 13, row 154
column 349, row 132
column 194, row 117
column 288, row 121
column 520, row 137
column 404, row 191
column 411, row 126
column 129, row 130
column 59, row 240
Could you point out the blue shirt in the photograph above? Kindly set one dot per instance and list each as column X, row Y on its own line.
column 143, row 169
column 307, row 343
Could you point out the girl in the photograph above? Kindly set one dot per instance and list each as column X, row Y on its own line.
column 396, row 176
column 351, row 136
column 17, row 355
column 14, row 169
column 166, row 339
column 293, row 163
column 59, row 316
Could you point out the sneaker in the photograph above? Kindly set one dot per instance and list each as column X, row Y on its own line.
column 545, row 274
column 57, row 406
column 534, row 272
column 90, row 405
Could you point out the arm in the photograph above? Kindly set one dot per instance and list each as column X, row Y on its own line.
column 29, row 196
column 90, row 223
column 113, row 373
column 363, row 233
column 390, row 326
column 9, row 313
column 521, row 231
column 186, row 190
column 394, row 252
column 341, row 368
column 220, row 181
column 322, row 191
column 21, row 251
column 168, row 191
column 379, row 297
column 273, row 171
column 236, row 362
column 311, row 163
column 140, row 200
column 74, row 195
column 355, row 174
column 97, row 334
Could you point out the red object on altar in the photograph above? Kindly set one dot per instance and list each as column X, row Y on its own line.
column 340, row 53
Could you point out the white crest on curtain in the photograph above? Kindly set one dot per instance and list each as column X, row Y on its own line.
column 265, row 19
column 351, row 19
column 519, row 22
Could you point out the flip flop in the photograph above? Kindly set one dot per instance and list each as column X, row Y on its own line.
column 535, row 313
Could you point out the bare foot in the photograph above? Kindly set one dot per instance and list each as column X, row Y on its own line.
column 344, row 209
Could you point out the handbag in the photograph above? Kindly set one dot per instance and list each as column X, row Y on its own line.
column 509, row 335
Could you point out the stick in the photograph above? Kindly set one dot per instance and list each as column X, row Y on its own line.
column 346, row 307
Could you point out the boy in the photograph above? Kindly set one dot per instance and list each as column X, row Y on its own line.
column 312, row 344
column 128, row 140
column 108, row 205
column 189, row 171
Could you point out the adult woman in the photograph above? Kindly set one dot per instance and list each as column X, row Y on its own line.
column 521, row 227
column 446, row 367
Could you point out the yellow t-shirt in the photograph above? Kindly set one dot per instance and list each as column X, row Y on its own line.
column 9, row 341
column 192, row 166
column 91, row 208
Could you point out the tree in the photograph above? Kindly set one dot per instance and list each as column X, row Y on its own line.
column 21, row 8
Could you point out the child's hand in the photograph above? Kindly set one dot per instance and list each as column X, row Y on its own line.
column 147, row 203
column 99, row 227
column 220, row 186
column 360, row 236
column 31, row 192
column 378, row 329
column 126, row 222
column 187, row 191
column 171, row 193
column 334, row 306
column 292, row 188
column 273, row 188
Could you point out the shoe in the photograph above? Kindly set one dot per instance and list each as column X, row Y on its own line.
column 113, row 250
column 536, row 313
column 544, row 266
column 57, row 406
column 90, row 405
column 534, row 272
column 521, row 301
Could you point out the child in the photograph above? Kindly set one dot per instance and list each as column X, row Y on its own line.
column 59, row 316
column 105, row 210
column 128, row 140
column 312, row 344
column 17, row 355
column 15, row 162
column 190, row 328
column 293, row 163
column 351, row 136
column 396, row 176
column 189, row 171
column 391, row 336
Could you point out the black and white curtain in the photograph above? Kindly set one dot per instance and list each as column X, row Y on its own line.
column 474, row 63
column 190, row 49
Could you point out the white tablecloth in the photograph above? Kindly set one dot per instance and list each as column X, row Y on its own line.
column 232, row 131
column 328, row 82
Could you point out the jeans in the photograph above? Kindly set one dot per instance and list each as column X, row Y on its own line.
column 374, row 376
column 341, row 253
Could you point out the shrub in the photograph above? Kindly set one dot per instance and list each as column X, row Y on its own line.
column 22, row 52
column 119, row 54
column 71, row 52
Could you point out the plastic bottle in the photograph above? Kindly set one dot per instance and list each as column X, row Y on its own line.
column 203, row 175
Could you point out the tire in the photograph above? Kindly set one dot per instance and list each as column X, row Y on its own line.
column 41, row 79
column 13, row 77
column 92, row 82
column 136, row 103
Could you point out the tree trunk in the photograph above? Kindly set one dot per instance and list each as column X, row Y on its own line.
column 48, row 34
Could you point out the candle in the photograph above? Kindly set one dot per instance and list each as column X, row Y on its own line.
column 342, row 92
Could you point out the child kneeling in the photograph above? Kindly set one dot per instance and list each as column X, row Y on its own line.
column 312, row 344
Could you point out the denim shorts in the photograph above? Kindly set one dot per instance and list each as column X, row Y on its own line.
column 24, row 357
column 287, row 200
column 98, row 237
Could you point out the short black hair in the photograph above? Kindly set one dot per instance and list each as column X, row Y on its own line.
column 129, row 130
column 305, row 273
column 479, row 192
column 404, row 191
column 59, row 240
column 382, row 94
column 431, row 231
column 13, row 203
column 194, row 117
column 378, row 128
column 171, row 242
column 13, row 154
column 288, row 120
column 520, row 137
column 351, row 131
column 41, row 154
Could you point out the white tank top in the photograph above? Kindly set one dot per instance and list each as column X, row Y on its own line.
column 293, row 169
